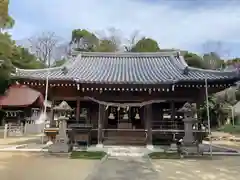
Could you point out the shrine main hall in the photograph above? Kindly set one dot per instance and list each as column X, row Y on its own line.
column 127, row 98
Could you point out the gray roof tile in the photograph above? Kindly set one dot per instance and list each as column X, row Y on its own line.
column 126, row 68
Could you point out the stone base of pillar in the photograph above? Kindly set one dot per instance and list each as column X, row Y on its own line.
column 150, row 147
column 99, row 145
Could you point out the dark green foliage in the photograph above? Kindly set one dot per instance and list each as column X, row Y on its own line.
column 164, row 155
column 230, row 129
column 146, row 45
column 87, row 155
column 12, row 56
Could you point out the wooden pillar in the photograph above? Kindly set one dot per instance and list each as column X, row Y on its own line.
column 52, row 121
column 173, row 113
column 200, row 101
column 148, row 116
column 100, row 125
column 78, row 110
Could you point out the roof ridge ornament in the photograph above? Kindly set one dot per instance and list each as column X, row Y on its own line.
column 178, row 54
column 64, row 70
column 186, row 70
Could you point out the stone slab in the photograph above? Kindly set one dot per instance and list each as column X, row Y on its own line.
column 125, row 168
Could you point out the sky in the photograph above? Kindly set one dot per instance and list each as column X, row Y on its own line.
column 194, row 25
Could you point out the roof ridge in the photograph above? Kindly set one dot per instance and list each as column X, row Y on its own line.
column 185, row 65
column 40, row 70
column 211, row 70
column 131, row 54
column 69, row 63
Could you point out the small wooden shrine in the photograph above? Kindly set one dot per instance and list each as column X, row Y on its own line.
column 20, row 103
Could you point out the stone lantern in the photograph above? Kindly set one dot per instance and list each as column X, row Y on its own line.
column 189, row 111
column 61, row 143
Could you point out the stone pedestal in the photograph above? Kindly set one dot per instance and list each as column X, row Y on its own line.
column 61, row 144
column 150, row 147
column 189, row 144
column 99, row 145
column 188, row 130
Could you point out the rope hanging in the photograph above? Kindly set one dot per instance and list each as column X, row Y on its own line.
column 124, row 105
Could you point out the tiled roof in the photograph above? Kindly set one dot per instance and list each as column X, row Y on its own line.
column 126, row 68
column 21, row 96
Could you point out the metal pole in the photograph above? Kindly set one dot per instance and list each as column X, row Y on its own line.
column 232, row 110
column 45, row 107
column 46, row 95
column 208, row 116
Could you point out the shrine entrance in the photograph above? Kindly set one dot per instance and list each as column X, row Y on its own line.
column 124, row 126
column 124, row 118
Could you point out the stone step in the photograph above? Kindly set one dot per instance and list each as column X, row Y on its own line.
column 122, row 151
column 115, row 154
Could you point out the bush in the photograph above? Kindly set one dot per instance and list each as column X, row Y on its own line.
column 87, row 155
column 230, row 129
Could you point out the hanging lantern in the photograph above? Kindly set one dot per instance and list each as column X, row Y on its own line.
column 111, row 116
column 137, row 116
column 125, row 116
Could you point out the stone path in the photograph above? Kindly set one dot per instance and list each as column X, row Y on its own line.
column 124, row 168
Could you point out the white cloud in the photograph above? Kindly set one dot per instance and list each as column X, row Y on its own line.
column 172, row 27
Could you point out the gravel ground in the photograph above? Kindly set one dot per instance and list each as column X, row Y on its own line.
column 220, row 168
column 29, row 166
column 20, row 140
column 1, row 133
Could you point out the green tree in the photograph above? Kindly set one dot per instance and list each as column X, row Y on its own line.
column 106, row 46
column 5, row 63
column 194, row 60
column 5, row 20
column 145, row 45
column 220, row 106
column 12, row 56
column 83, row 40
column 21, row 58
